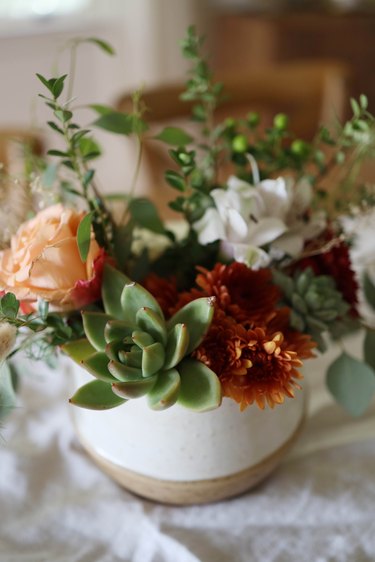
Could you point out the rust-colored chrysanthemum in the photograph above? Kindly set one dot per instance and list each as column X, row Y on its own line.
column 164, row 290
column 255, row 365
column 246, row 295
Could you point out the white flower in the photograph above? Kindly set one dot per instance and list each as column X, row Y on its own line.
column 246, row 218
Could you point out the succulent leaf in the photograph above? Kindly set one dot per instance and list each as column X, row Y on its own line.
column 78, row 350
column 152, row 323
column 142, row 339
column 177, row 345
column 94, row 324
column 134, row 389
column 152, row 359
column 200, row 387
column 113, row 349
column 134, row 297
column 197, row 315
column 96, row 395
column 97, row 365
column 112, row 287
column 133, row 358
column 123, row 372
column 165, row 391
column 116, row 330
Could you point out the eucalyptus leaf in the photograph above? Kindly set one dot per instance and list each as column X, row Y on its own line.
column 352, row 383
column 96, row 395
column 103, row 45
column 369, row 348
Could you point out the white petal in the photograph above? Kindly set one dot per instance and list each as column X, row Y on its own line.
column 276, row 197
column 251, row 256
column 210, row 227
column 236, row 226
column 265, row 231
column 290, row 244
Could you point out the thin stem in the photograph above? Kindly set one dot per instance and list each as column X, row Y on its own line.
column 72, row 70
column 135, row 175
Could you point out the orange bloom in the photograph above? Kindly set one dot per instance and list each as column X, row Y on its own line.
column 254, row 365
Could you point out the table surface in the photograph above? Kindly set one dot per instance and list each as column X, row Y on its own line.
column 319, row 506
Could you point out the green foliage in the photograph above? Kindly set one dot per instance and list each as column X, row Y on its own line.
column 7, row 389
column 140, row 354
column 96, row 395
column 9, row 307
column 352, row 383
column 174, row 136
column 84, row 236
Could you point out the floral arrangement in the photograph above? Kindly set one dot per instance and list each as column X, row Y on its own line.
column 260, row 280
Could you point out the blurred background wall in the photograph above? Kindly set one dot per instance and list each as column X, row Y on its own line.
column 242, row 35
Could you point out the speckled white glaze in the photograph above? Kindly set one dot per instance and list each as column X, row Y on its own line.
column 180, row 445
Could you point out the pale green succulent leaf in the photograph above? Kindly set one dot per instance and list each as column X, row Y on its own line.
column 165, row 391
column 177, row 345
column 96, row 395
column 133, row 358
column 97, row 365
column 152, row 359
column 134, row 389
column 113, row 349
column 94, row 324
column 142, row 339
column 124, row 372
column 113, row 284
column 152, row 323
column 78, row 350
column 116, row 330
column 197, row 315
column 134, row 297
column 352, row 383
column 200, row 387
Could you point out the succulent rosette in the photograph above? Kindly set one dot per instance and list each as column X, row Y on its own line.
column 133, row 351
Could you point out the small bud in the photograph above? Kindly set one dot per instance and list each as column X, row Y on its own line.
column 7, row 339
column 239, row 144
column 299, row 147
column 280, row 121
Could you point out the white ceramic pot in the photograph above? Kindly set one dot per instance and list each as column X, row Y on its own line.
column 181, row 457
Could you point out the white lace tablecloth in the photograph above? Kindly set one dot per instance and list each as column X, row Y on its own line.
column 56, row 506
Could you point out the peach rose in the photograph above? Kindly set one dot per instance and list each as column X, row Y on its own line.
column 43, row 261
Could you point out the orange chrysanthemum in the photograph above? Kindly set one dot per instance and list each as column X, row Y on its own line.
column 254, row 365
column 164, row 290
column 244, row 294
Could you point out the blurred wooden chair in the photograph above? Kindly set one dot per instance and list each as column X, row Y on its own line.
column 309, row 92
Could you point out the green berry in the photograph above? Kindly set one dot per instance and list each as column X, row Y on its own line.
column 229, row 123
column 280, row 121
column 299, row 147
column 239, row 144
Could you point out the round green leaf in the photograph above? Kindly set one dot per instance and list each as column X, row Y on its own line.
column 352, row 383
column 200, row 387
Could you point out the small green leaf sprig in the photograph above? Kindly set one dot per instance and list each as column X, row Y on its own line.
column 132, row 351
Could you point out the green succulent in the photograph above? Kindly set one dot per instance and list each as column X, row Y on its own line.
column 132, row 351
column 316, row 304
